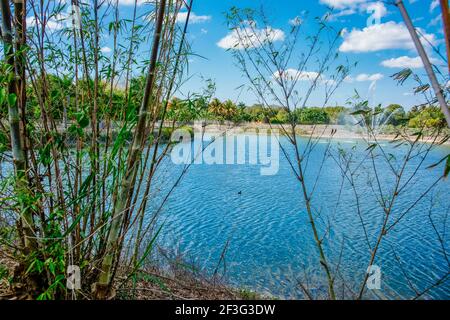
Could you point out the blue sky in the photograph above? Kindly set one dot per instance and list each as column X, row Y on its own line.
column 381, row 49
column 387, row 50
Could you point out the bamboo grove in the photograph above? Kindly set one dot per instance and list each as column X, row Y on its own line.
column 73, row 197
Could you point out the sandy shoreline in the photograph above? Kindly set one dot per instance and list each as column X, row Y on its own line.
column 316, row 131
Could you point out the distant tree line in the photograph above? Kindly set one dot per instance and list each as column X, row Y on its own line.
column 202, row 107
column 394, row 114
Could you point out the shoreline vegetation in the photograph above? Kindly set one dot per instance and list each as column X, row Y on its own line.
column 337, row 122
column 322, row 131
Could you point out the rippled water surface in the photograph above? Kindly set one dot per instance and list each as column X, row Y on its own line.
column 271, row 245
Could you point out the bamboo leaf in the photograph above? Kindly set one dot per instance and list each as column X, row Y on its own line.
column 360, row 112
column 2, row 95
column 12, row 99
column 447, row 165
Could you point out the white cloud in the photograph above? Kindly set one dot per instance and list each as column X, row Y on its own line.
column 403, row 62
column 384, row 36
column 294, row 74
column 295, row 21
column 363, row 77
column 341, row 4
column 342, row 13
column 349, row 79
column 181, row 18
column 57, row 22
column 377, row 9
column 250, row 37
column 435, row 21
column 106, row 50
column 434, row 5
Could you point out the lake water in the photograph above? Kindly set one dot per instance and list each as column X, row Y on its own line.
column 271, row 245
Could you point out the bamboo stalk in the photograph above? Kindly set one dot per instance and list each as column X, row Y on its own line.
column 94, row 112
column 163, row 116
column 15, row 132
column 446, row 23
column 20, row 23
column 426, row 61
column 102, row 288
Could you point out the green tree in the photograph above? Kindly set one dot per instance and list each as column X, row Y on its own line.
column 396, row 115
column 215, row 107
column 428, row 117
column 312, row 116
column 229, row 110
column 282, row 116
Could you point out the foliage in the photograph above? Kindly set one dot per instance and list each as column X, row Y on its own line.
column 428, row 117
column 312, row 116
column 81, row 119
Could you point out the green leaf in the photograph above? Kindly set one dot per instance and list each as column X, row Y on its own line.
column 422, row 88
column 447, row 165
column 82, row 119
column 2, row 95
column 362, row 112
column 12, row 98
column 372, row 146
column 402, row 76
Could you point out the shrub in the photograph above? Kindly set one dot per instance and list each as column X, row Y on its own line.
column 312, row 116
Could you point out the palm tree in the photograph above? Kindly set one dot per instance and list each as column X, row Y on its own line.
column 229, row 110
column 215, row 107
column 174, row 104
